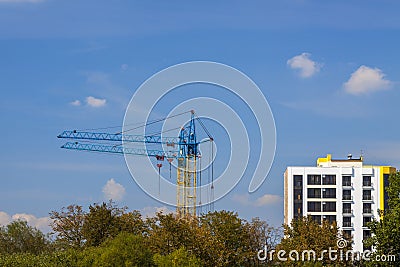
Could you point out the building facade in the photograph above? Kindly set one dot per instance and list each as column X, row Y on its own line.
column 345, row 191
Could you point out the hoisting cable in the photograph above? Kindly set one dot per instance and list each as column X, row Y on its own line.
column 212, row 176
column 200, row 171
column 204, row 127
column 154, row 121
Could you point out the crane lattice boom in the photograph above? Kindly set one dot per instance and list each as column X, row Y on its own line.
column 183, row 148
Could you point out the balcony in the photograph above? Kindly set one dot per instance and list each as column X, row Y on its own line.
column 367, row 198
column 367, row 185
column 347, row 225
column 347, row 185
column 347, row 198
column 367, row 211
column 347, row 212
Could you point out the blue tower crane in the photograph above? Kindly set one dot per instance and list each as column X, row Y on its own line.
column 187, row 155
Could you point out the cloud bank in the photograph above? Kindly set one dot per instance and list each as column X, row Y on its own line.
column 366, row 80
column 41, row 223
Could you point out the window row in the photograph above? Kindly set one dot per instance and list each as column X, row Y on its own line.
column 328, row 179
column 347, row 221
column 328, row 218
column 316, row 206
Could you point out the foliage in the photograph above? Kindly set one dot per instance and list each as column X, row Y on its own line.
column 107, row 235
column 305, row 234
column 19, row 237
column 386, row 232
column 124, row 250
column 178, row 258
column 67, row 224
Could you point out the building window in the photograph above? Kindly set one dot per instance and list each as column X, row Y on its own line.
column 330, row 218
column 298, row 180
column 346, row 221
column 367, row 208
column 298, row 210
column 386, row 196
column 314, row 192
column 316, row 218
column 313, row 179
column 313, row 206
column 366, row 220
column 329, row 179
column 366, row 234
column 329, row 192
column 329, row 206
column 346, row 194
column 347, row 234
column 367, row 181
column 298, row 194
column 346, row 208
column 367, row 195
column 346, row 180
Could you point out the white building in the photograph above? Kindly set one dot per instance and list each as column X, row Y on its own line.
column 345, row 191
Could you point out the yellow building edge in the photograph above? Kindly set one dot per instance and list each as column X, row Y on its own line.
column 384, row 170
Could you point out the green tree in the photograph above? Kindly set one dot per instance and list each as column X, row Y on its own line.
column 126, row 249
column 19, row 237
column 178, row 258
column 232, row 236
column 67, row 226
column 101, row 222
column 305, row 234
column 386, row 232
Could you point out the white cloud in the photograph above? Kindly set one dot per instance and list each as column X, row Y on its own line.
column 42, row 223
column 113, row 190
column 149, row 212
column 267, row 199
column 4, row 218
column 95, row 102
column 264, row 200
column 366, row 80
column 76, row 103
column 304, row 64
column 124, row 67
column 22, row 1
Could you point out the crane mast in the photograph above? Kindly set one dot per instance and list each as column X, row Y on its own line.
column 187, row 171
column 187, row 156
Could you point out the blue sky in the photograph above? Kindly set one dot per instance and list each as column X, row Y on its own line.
column 328, row 70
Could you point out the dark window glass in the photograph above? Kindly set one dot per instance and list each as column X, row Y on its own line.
column 367, row 195
column 298, row 210
column 346, row 194
column 313, row 206
column 314, row 192
column 386, row 196
column 330, row 218
column 367, row 208
column 346, row 180
column 366, row 234
column 347, row 233
column 346, row 208
column 329, row 206
column 298, row 194
column 298, row 180
column 313, row 179
column 366, row 180
column 329, row 192
column 329, row 179
column 346, row 221
column 366, row 220
column 316, row 218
